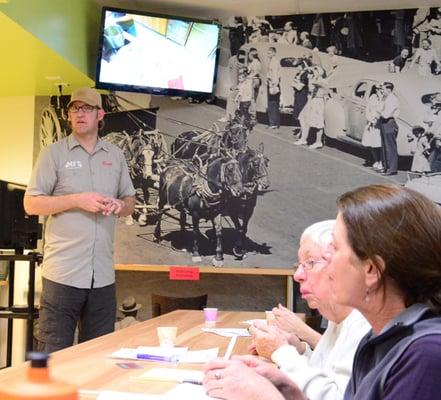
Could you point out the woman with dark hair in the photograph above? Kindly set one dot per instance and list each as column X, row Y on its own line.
column 386, row 262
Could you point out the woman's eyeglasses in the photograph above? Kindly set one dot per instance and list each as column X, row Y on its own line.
column 86, row 108
column 309, row 264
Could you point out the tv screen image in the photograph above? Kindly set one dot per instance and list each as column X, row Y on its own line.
column 156, row 54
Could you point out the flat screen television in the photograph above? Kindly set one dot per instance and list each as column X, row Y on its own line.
column 17, row 229
column 158, row 54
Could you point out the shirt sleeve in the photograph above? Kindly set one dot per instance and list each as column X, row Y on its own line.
column 416, row 375
column 44, row 175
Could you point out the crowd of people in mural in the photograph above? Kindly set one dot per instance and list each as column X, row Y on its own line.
column 354, row 34
column 410, row 43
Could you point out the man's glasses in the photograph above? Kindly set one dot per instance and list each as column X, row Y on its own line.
column 85, row 108
column 309, row 264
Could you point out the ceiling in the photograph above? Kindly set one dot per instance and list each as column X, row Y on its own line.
column 37, row 63
column 216, row 9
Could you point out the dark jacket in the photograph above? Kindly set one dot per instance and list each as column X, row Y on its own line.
column 377, row 355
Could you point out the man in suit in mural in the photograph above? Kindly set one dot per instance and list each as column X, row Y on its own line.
column 273, row 89
column 82, row 184
column 389, row 130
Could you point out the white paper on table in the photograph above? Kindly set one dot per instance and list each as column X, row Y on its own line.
column 228, row 332
column 131, row 353
column 124, row 353
column 186, row 391
column 171, row 374
column 199, row 356
column 110, row 395
column 252, row 321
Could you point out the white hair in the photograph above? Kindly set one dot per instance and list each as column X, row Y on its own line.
column 319, row 233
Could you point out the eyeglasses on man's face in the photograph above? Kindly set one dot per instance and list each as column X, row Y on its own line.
column 86, row 108
column 308, row 265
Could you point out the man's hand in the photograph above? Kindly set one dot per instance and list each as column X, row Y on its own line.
column 91, row 201
column 113, row 206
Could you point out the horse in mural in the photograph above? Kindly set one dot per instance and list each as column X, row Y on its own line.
column 235, row 136
column 143, row 151
column 253, row 165
column 201, row 193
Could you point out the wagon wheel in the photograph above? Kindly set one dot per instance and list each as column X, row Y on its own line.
column 50, row 129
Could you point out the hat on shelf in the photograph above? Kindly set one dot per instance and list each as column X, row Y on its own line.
column 129, row 304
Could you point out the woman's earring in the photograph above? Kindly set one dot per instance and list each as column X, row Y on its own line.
column 367, row 298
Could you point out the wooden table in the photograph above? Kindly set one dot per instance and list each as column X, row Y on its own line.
column 286, row 272
column 87, row 366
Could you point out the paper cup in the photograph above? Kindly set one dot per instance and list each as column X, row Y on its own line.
column 167, row 335
column 210, row 315
column 270, row 317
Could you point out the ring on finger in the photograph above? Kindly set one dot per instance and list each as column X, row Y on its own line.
column 217, row 374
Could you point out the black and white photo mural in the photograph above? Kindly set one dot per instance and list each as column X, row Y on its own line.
column 306, row 108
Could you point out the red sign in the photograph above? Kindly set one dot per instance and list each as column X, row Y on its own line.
column 184, row 274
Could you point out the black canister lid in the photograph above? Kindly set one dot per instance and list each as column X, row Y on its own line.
column 37, row 359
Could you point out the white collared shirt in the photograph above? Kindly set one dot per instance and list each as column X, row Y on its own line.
column 324, row 373
column 391, row 107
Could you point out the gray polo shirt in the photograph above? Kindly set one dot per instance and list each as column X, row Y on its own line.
column 79, row 244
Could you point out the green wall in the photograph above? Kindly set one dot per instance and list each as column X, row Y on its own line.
column 69, row 27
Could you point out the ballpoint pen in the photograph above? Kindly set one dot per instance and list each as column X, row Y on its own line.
column 152, row 357
column 193, row 381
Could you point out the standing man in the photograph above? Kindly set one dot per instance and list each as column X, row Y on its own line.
column 389, row 130
column 82, row 184
column 273, row 89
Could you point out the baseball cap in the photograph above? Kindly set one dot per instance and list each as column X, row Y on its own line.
column 86, row 95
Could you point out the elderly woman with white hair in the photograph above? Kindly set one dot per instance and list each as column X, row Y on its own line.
column 322, row 373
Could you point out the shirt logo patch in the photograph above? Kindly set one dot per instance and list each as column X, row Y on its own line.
column 107, row 163
column 73, row 165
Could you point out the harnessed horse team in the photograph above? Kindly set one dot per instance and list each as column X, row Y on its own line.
column 208, row 175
